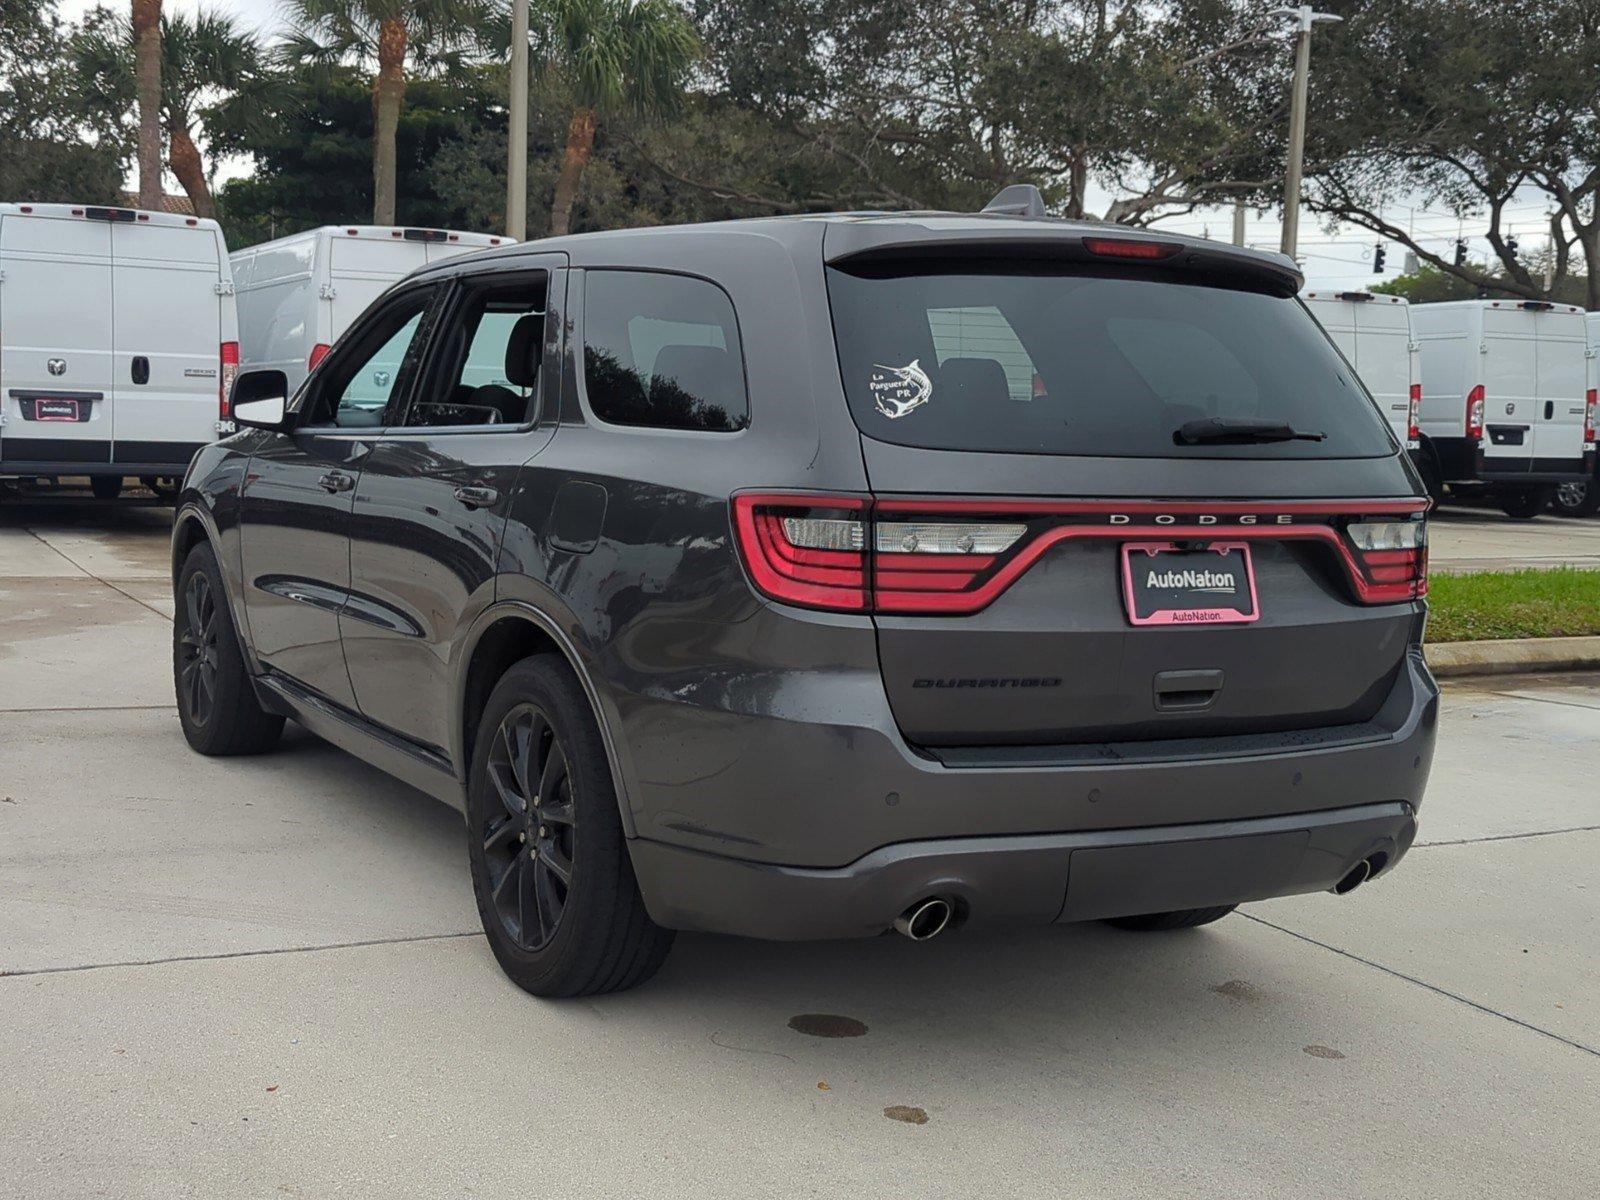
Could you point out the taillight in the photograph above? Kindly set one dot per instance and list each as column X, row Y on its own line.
column 1393, row 558
column 1591, row 416
column 318, row 353
column 1130, row 248
column 1414, row 414
column 1475, row 401
column 228, row 352
column 810, row 551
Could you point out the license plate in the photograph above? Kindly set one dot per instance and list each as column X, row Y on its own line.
column 45, row 409
column 1163, row 584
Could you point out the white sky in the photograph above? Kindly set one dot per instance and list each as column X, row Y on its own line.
column 1341, row 259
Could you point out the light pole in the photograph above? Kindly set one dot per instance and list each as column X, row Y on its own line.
column 517, row 126
column 1304, row 18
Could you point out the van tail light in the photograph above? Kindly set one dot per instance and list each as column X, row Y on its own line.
column 1475, row 404
column 1414, row 414
column 318, row 353
column 1392, row 557
column 1591, row 416
column 228, row 353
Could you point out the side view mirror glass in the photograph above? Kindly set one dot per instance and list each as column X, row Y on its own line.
column 261, row 400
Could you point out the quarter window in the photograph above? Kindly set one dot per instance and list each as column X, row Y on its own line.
column 662, row 351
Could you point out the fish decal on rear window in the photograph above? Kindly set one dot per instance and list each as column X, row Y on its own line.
column 899, row 390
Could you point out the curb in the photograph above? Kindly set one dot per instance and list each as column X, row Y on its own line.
column 1455, row 660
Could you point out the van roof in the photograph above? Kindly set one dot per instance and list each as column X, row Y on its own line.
column 106, row 212
column 1355, row 297
column 1525, row 305
column 389, row 233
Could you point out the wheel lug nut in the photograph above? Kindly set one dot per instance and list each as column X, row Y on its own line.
column 544, row 831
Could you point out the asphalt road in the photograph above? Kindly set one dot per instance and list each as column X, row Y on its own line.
column 264, row 977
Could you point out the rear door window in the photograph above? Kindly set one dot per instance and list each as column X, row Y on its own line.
column 662, row 351
column 1097, row 361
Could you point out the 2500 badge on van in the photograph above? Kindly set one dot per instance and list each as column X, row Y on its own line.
column 821, row 576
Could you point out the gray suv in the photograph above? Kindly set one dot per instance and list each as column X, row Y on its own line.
column 819, row 576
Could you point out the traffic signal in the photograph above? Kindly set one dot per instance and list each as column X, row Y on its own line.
column 1511, row 246
column 1461, row 251
column 1377, row 259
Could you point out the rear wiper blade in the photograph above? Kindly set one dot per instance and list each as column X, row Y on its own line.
column 1238, row 431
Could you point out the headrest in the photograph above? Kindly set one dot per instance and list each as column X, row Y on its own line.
column 974, row 380
column 523, row 350
column 704, row 372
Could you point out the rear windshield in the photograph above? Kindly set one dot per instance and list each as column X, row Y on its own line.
column 1093, row 362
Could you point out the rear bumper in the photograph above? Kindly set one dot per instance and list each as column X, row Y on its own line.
column 834, row 836
column 1032, row 879
column 24, row 457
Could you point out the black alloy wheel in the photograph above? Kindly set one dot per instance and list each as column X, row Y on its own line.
column 198, row 652
column 529, row 846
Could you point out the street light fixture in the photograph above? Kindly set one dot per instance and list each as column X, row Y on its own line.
column 1304, row 17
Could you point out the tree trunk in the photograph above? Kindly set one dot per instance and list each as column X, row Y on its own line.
column 580, row 145
column 146, row 21
column 1589, row 239
column 183, row 156
column 388, row 94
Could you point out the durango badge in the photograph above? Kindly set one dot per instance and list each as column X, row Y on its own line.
column 900, row 390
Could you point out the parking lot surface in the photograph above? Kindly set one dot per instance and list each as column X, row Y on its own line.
column 264, row 977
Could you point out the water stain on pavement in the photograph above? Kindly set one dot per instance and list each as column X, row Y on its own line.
column 827, row 1025
column 1322, row 1052
column 1240, row 991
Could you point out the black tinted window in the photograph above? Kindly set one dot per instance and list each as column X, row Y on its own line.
column 662, row 350
column 1092, row 363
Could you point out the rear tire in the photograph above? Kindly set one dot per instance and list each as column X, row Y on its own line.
column 1576, row 499
column 1183, row 918
column 550, row 868
column 1427, row 463
column 105, row 487
column 217, row 703
column 1523, row 504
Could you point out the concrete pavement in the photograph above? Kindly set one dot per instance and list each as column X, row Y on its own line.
column 264, row 977
column 1481, row 539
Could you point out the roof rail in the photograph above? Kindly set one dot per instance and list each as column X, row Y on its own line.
column 1017, row 200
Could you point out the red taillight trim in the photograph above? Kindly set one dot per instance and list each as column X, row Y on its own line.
column 1414, row 414
column 1591, row 415
column 228, row 359
column 318, row 353
column 912, row 583
column 1477, row 400
column 1132, row 248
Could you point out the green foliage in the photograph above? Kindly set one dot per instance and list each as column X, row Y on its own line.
column 52, row 148
column 1563, row 602
column 1430, row 285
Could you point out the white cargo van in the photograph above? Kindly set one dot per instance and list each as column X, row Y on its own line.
column 1374, row 333
column 299, row 293
column 1582, row 499
column 118, row 341
column 1505, row 387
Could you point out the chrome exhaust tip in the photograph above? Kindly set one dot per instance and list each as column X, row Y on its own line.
column 1357, row 875
column 926, row 919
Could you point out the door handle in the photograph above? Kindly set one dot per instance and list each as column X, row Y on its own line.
column 141, row 369
column 336, row 481
column 477, row 497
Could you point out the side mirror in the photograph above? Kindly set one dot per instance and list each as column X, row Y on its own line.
column 261, row 400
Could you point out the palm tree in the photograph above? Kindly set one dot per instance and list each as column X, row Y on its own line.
column 146, row 23
column 207, row 57
column 612, row 54
column 388, row 35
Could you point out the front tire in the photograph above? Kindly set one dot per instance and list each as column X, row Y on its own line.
column 1183, row 918
column 550, row 869
column 1576, row 499
column 1523, row 504
column 217, row 703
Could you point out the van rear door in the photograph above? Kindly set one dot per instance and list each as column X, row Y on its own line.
column 168, row 337
column 1510, row 384
column 1560, row 384
column 1383, row 360
column 55, row 340
column 362, row 269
